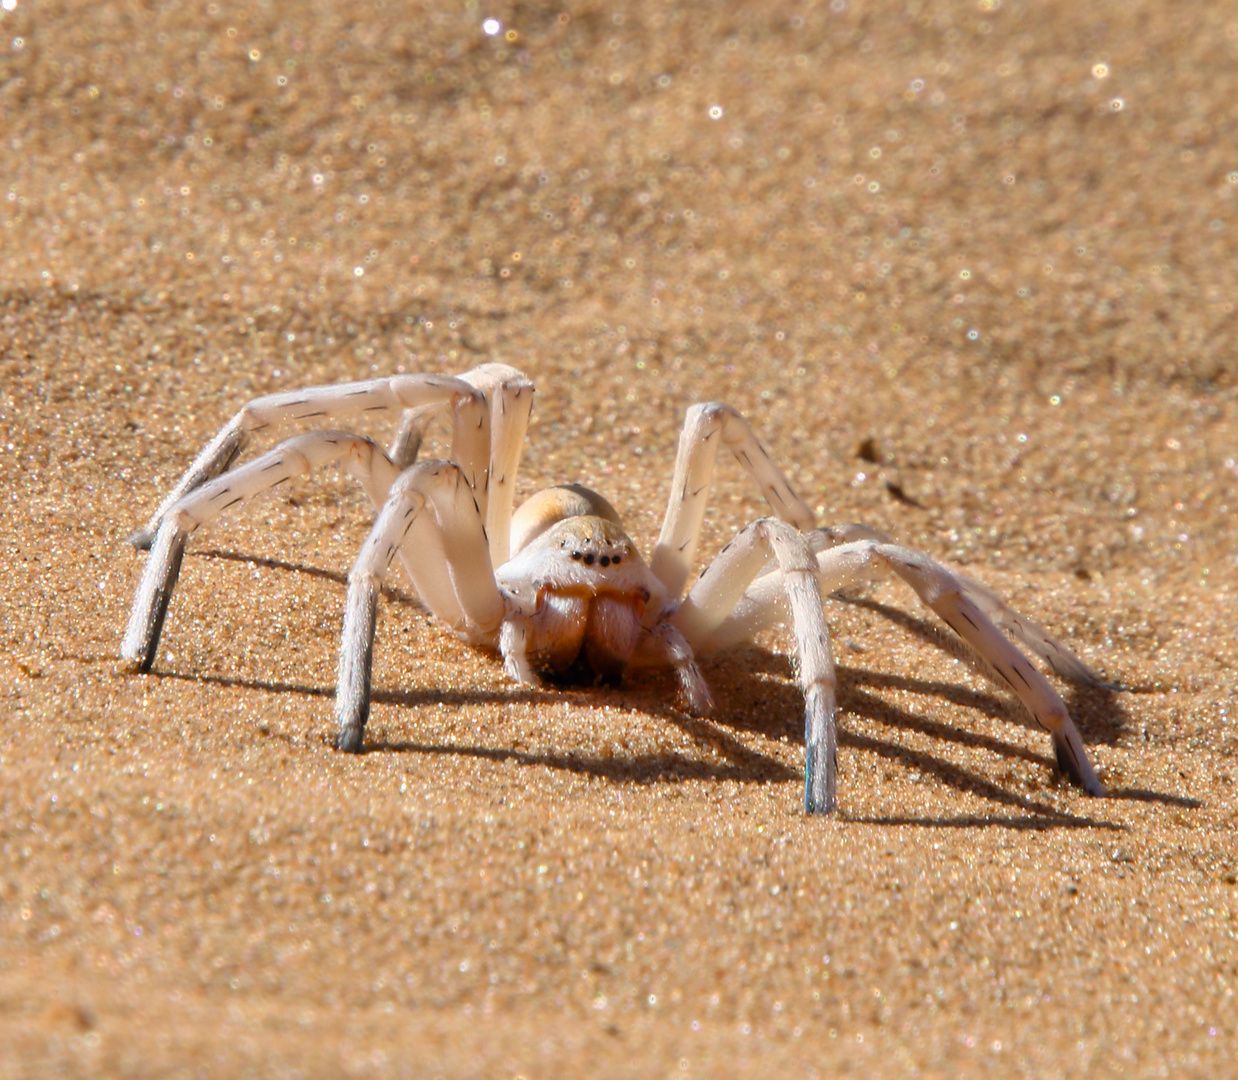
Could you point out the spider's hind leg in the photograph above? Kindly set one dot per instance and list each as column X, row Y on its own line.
column 415, row 395
column 723, row 587
column 974, row 612
column 214, row 461
column 949, row 597
column 208, row 501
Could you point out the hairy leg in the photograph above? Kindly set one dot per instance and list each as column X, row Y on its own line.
column 967, row 608
column 433, row 520
column 400, row 393
column 295, row 457
column 511, row 401
column 723, row 584
column 705, row 428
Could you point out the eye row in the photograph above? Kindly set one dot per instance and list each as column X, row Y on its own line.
column 588, row 559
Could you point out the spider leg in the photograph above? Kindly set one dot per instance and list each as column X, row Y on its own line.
column 295, row 457
column 665, row 644
column 1031, row 635
column 723, row 584
column 764, row 601
column 965, row 606
column 510, row 395
column 418, row 393
column 514, row 649
column 948, row 596
column 1034, row 637
column 406, row 443
column 705, row 428
column 431, row 517
column 511, row 401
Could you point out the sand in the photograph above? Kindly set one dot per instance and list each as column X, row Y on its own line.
column 969, row 268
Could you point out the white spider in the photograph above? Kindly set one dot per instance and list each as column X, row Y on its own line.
column 559, row 583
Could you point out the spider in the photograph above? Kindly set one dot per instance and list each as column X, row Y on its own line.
column 558, row 584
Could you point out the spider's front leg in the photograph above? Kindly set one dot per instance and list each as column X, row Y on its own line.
column 433, row 520
column 492, row 399
column 705, row 428
column 722, row 586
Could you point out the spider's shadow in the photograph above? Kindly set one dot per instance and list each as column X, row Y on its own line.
column 739, row 762
column 1096, row 709
column 757, row 693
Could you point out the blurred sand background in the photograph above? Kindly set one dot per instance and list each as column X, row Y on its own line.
column 970, row 269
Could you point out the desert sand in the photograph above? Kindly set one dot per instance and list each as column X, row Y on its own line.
column 969, row 268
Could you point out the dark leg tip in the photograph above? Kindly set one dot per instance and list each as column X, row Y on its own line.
column 142, row 539
column 349, row 740
column 813, row 807
column 1079, row 774
column 819, row 773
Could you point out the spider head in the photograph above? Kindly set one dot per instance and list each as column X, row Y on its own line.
column 583, row 555
column 593, row 542
column 571, row 538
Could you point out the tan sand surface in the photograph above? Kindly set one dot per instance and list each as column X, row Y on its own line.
column 970, row 267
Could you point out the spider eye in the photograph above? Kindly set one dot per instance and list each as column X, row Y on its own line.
column 589, row 559
column 605, row 560
column 575, row 556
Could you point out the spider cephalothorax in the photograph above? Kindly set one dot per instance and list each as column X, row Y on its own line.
column 557, row 584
